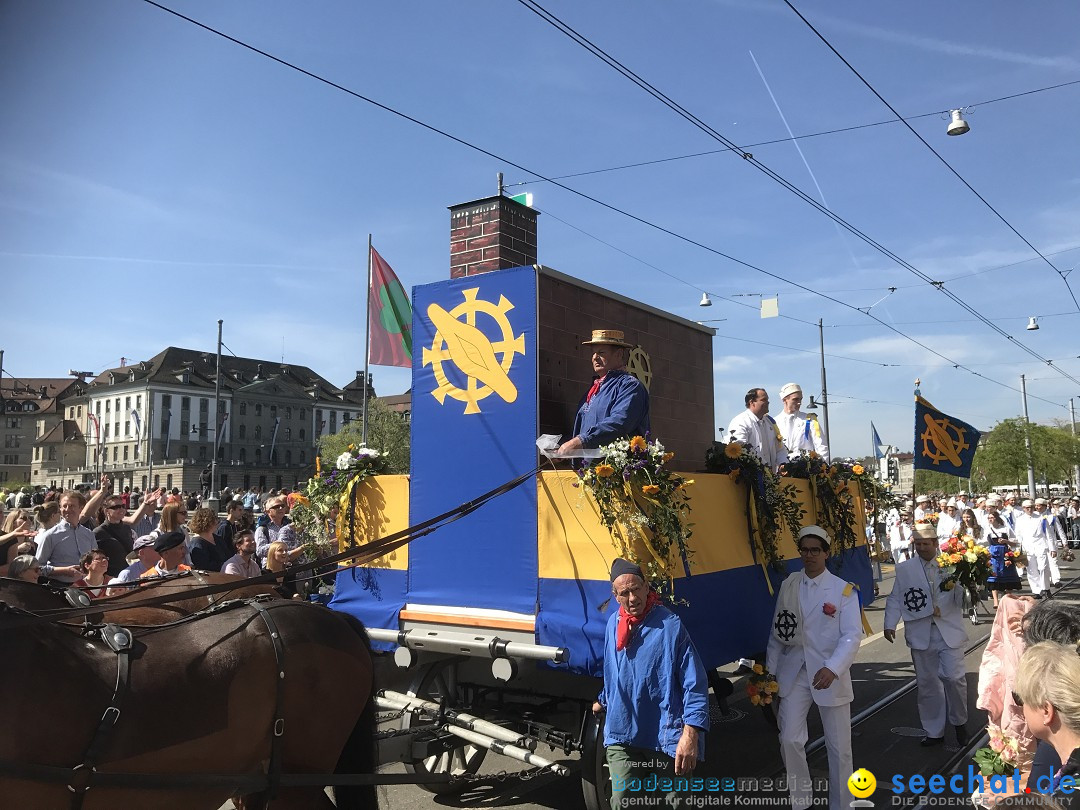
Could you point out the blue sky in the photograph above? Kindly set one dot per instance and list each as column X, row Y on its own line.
column 155, row 177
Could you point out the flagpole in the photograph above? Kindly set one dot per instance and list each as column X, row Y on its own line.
column 150, row 450
column 367, row 342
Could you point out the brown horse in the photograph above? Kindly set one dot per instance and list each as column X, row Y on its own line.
column 202, row 699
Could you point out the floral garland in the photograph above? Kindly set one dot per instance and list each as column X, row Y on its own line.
column 829, row 486
column 635, row 491
column 770, row 506
column 314, row 514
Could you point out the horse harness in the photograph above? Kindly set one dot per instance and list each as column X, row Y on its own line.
column 121, row 641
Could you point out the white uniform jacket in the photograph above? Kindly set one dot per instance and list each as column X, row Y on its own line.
column 913, row 598
column 762, row 435
column 1056, row 534
column 827, row 641
column 1033, row 532
column 802, row 433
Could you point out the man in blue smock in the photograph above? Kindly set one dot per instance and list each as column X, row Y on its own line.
column 655, row 695
column 617, row 404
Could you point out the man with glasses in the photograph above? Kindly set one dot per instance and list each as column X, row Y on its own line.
column 814, row 638
column 1032, row 532
column 934, row 631
column 116, row 536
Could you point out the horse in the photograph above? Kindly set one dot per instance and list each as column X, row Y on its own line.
column 202, row 697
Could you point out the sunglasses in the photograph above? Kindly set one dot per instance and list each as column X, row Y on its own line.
column 115, row 506
column 278, row 506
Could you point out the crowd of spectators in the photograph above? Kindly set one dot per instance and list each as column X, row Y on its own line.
column 102, row 541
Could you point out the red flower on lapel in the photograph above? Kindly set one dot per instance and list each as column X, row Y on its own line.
column 829, row 609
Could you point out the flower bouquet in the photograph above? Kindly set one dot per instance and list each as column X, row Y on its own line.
column 635, row 491
column 761, row 687
column 966, row 564
column 1004, row 755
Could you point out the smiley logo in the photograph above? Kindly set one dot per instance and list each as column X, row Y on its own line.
column 861, row 783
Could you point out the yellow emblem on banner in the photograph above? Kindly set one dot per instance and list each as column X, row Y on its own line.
column 484, row 362
column 947, row 439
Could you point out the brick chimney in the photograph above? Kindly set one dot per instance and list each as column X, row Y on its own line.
column 491, row 234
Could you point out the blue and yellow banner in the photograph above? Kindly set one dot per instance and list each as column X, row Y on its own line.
column 942, row 443
column 474, row 418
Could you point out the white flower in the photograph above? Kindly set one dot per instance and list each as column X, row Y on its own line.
column 367, row 452
column 344, row 461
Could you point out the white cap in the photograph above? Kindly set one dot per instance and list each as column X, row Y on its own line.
column 814, row 531
column 952, row 502
column 908, row 504
column 789, row 388
column 961, row 493
column 993, row 500
column 922, row 499
column 1040, row 501
column 1027, row 503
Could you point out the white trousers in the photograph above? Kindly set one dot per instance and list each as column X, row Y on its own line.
column 1038, row 570
column 1054, row 573
column 942, row 682
column 836, row 722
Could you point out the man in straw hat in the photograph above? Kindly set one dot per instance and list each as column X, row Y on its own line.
column 617, row 404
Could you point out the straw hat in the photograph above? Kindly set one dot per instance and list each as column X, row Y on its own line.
column 608, row 337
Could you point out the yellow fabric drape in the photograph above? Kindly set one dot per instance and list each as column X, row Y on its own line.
column 755, row 528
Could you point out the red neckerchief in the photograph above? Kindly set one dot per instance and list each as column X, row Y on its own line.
column 595, row 388
column 627, row 622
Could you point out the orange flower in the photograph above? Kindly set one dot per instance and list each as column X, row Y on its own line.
column 733, row 450
column 955, row 558
column 668, row 457
column 650, row 489
column 604, row 470
column 734, row 474
column 638, row 443
column 857, row 469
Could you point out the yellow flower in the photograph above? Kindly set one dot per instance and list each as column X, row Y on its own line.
column 949, row 585
column 759, row 669
column 650, row 489
column 352, row 446
column 685, row 483
column 755, row 699
column 668, row 457
column 604, row 470
column 734, row 474
column 970, row 556
column 733, row 450
column 638, row 443
column 857, row 469
column 773, row 687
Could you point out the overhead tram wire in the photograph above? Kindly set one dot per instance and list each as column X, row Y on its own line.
column 934, row 152
column 774, row 141
column 582, row 195
column 678, row 109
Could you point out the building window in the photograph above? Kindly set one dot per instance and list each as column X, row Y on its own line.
column 303, row 413
column 14, row 422
column 138, row 407
column 288, row 434
column 127, row 403
column 166, row 402
column 183, row 451
column 288, row 456
column 204, row 405
column 108, row 406
column 185, row 427
column 243, row 454
column 258, row 431
column 79, row 414
column 345, row 418
column 157, row 481
column 98, row 407
column 127, row 428
column 258, row 455
column 37, row 454
column 185, row 403
column 202, row 451
column 115, row 454
column 11, row 459
column 71, row 413
column 288, row 411
column 52, row 453
column 243, row 409
column 301, row 434
column 258, row 409
column 118, row 404
column 168, row 481
column 116, row 429
column 125, row 452
column 303, row 457
column 11, row 440
column 406, row 416
column 273, row 410
column 243, row 431
column 333, row 421
column 107, row 426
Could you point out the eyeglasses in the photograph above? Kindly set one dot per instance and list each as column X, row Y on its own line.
column 278, row 506
column 1017, row 700
column 813, row 552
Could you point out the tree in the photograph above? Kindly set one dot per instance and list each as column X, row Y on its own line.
column 387, row 432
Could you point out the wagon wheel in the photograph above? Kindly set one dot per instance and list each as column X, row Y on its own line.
column 595, row 781
column 438, row 683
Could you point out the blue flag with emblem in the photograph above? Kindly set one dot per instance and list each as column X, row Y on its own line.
column 942, row 443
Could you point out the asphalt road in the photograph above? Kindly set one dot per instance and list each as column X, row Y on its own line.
column 743, row 744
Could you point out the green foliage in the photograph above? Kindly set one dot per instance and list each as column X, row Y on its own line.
column 387, row 432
